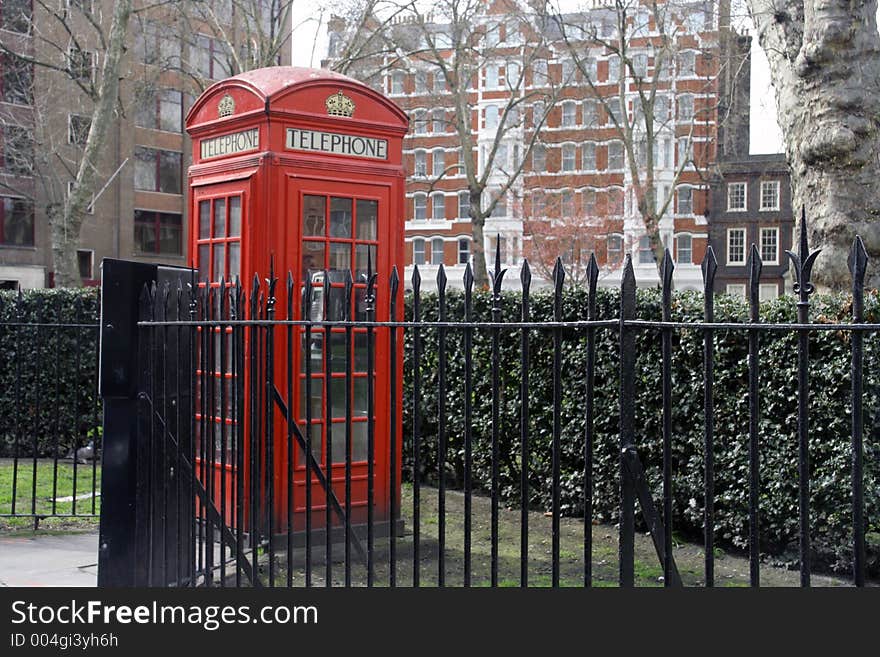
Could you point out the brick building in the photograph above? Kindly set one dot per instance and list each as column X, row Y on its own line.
column 751, row 204
column 172, row 53
column 577, row 171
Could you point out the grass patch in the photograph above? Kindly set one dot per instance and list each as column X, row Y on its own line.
column 43, row 494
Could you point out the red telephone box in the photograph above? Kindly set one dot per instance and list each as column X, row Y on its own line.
column 303, row 167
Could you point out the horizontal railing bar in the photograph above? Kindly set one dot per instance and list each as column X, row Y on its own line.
column 48, row 325
column 606, row 323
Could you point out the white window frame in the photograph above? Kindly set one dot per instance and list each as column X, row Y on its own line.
column 420, row 169
column 397, row 83
column 775, row 231
column 415, row 243
column 619, row 251
column 678, row 259
column 764, row 291
column 619, row 144
column 678, row 208
column 730, row 232
column 736, row 289
column 568, row 118
column 434, row 242
column 769, row 208
column 420, row 122
column 424, row 206
column 588, row 146
column 434, row 198
column 568, row 161
column 438, row 120
column 464, row 194
column 466, row 252
column 745, row 196
column 438, row 165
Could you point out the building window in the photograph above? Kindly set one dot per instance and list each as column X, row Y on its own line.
column 155, row 45
column 156, row 170
column 736, row 197
column 686, row 107
column 492, row 76
column 569, row 114
column 568, row 157
column 540, row 76
column 421, row 85
column 512, row 72
column 769, row 195
column 418, row 251
column 614, row 249
column 420, row 206
column 157, row 232
column 85, row 261
column 684, row 249
column 770, row 246
column 464, row 250
column 685, row 200
column 539, row 204
column 736, row 289
column 438, row 160
column 80, row 64
column 500, row 209
column 437, row 251
column 464, row 205
column 438, row 120
column 588, row 156
column 615, row 155
column 491, row 117
column 768, row 291
column 590, row 113
column 687, row 62
column 159, row 109
column 421, row 166
column 209, row 58
column 16, row 221
column 661, row 109
column 640, row 65
column 18, row 150
column 539, row 158
column 439, row 81
column 646, row 250
column 615, row 201
column 420, row 122
column 16, row 80
column 397, row 82
column 438, row 206
column 568, row 70
column 613, row 68
column 78, row 129
column 736, row 246
column 567, row 204
column 15, row 15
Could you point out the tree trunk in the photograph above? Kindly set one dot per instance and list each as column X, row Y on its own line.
column 478, row 221
column 825, row 67
column 65, row 239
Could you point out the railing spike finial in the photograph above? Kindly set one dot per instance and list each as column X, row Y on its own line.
column 416, row 279
column 666, row 269
column 709, row 266
column 858, row 260
column 441, row 279
column 497, row 252
column 394, row 281
column 525, row 275
column 754, row 265
column 558, row 275
column 629, row 275
column 592, row 272
column 349, row 287
column 468, row 277
column 804, row 248
column 802, row 262
column 497, row 276
column 306, row 296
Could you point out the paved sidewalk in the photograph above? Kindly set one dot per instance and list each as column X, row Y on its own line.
column 49, row 560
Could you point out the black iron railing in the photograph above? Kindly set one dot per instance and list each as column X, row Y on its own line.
column 50, row 423
column 221, row 441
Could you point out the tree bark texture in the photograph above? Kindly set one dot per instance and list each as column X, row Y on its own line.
column 825, row 68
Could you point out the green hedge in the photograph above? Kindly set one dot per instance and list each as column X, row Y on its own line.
column 830, row 408
column 48, row 388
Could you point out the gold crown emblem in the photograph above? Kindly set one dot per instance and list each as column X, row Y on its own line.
column 339, row 104
column 226, row 106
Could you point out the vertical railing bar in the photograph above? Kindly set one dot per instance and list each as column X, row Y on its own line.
column 253, row 438
column 525, row 314
column 178, row 516
column 497, row 281
column 558, row 281
column 709, row 267
column 150, row 495
column 755, row 266
column 238, row 342
column 349, row 410
column 77, row 319
column 37, row 420
column 19, row 316
column 858, row 262
column 193, row 367
column 290, row 419
column 666, row 270
column 468, row 421
column 57, row 405
column 626, row 546
column 211, row 446
column 370, row 310
column 392, row 460
column 162, row 356
column 592, row 279
column 307, row 356
column 221, row 315
column 328, row 432
column 270, row 418
column 417, row 444
column 441, row 428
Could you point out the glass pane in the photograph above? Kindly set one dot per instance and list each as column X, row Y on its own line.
column 314, row 212
column 359, row 441
column 337, row 446
column 360, row 397
column 317, row 397
column 360, row 351
column 204, row 263
column 219, row 217
column 361, row 263
column 312, row 258
column 337, row 385
column 235, row 216
column 340, row 257
column 234, row 260
column 367, row 213
column 204, row 220
column 337, row 347
column 317, row 442
column 316, row 351
column 340, row 217
column 219, row 268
